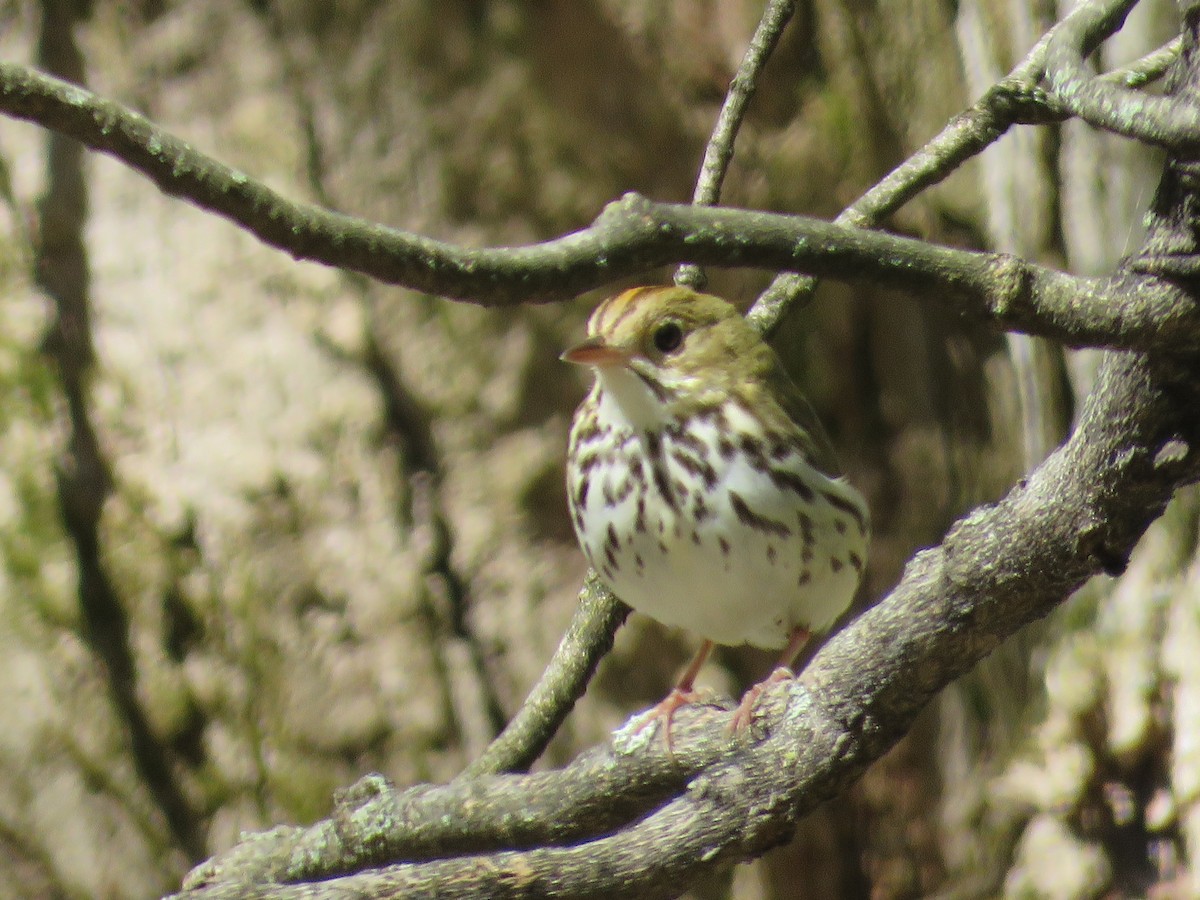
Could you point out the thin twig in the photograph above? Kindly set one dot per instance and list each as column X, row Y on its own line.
column 586, row 642
column 719, row 152
column 1147, row 70
column 1016, row 99
column 1105, row 103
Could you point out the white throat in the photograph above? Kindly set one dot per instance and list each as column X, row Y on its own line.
column 626, row 399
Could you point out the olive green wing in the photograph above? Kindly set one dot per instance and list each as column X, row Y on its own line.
column 800, row 411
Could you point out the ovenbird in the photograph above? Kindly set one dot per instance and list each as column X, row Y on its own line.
column 702, row 487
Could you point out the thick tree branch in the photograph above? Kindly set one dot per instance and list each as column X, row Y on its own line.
column 1079, row 513
column 630, row 236
column 605, row 789
column 1000, row 568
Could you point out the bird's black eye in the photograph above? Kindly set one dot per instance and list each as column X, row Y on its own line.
column 667, row 337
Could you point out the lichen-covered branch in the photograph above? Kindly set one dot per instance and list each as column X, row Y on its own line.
column 630, row 236
column 1166, row 121
column 1000, row 568
column 607, row 788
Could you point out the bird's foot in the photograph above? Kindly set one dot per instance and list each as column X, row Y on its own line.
column 665, row 710
column 743, row 716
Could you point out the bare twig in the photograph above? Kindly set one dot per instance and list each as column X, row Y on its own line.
column 1107, row 103
column 1147, row 70
column 587, row 640
column 1016, row 99
column 719, row 152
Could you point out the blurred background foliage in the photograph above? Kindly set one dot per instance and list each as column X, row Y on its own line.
column 336, row 523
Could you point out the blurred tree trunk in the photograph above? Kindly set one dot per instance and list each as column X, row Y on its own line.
column 337, row 522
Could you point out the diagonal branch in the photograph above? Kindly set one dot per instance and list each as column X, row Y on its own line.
column 719, row 151
column 587, row 641
column 630, row 236
column 1167, row 121
column 1000, row 568
column 1016, row 99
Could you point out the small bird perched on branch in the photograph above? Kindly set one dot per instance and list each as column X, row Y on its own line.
column 703, row 488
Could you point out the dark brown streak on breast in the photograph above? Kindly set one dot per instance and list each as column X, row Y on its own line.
column 624, row 489
column 590, row 431
column 751, row 519
column 659, row 392
column 588, row 460
column 680, row 435
column 848, row 508
column 701, row 468
column 754, row 453
column 658, row 469
column 790, row 481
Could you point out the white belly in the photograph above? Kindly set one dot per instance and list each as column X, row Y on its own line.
column 740, row 549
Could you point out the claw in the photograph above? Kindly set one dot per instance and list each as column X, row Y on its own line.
column 665, row 709
column 743, row 716
column 681, row 695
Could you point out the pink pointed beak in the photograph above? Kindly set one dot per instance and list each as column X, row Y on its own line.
column 594, row 352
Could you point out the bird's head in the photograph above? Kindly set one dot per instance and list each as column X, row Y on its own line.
column 667, row 350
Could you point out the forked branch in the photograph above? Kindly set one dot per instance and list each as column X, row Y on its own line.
column 631, row 236
column 625, row 819
column 668, row 822
column 1080, row 513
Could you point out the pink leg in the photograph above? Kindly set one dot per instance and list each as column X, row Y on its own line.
column 682, row 694
column 744, row 714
